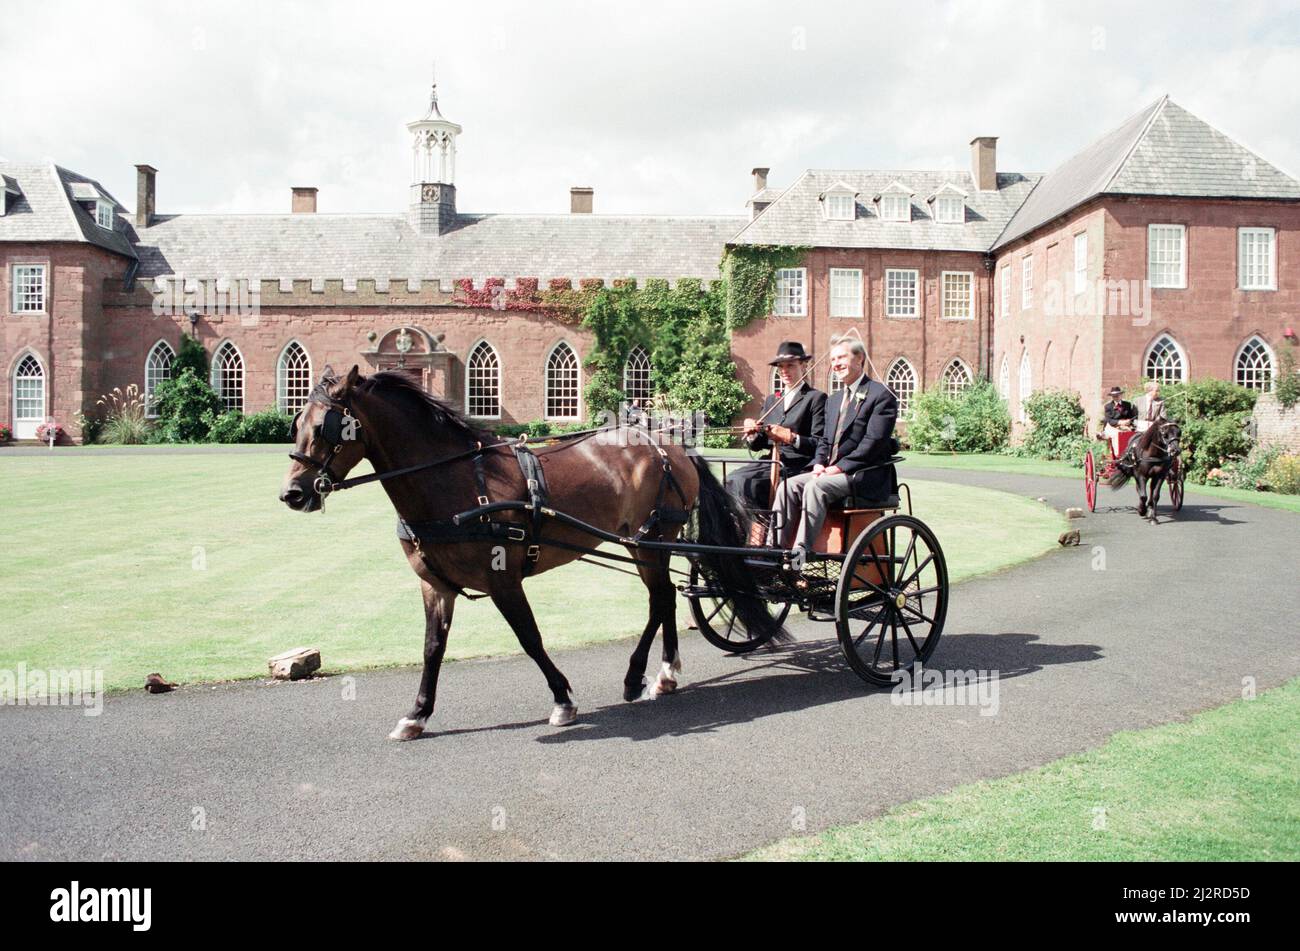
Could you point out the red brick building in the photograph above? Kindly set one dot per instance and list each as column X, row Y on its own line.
column 1163, row 249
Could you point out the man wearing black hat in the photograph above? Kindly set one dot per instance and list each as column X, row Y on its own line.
column 794, row 421
column 1119, row 414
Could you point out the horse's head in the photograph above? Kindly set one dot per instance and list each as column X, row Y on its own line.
column 327, row 441
column 1171, row 435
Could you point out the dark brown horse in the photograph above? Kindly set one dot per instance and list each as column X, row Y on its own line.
column 1150, row 458
column 389, row 420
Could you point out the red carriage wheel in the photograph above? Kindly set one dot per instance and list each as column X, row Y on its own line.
column 1090, row 480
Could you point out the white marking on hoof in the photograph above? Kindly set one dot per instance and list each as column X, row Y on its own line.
column 564, row 714
column 408, row 729
column 666, row 682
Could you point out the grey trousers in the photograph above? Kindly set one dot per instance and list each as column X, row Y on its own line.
column 803, row 502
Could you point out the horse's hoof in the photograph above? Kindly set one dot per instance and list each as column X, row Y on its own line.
column 666, row 682
column 407, row 729
column 564, row 714
column 634, row 692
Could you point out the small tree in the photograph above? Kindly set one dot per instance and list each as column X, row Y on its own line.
column 185, row 403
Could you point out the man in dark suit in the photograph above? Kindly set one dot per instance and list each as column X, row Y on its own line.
column 793, row 421
column 859, row 434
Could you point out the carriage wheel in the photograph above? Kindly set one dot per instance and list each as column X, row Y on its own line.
column 717, row 621
column 1090, row 480
column 1176, row 479
column 892, row 598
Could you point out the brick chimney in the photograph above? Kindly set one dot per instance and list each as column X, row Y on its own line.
column 760, row 179
column 984, row 162
column 144, row 195
column 580, row 200
column 304, row 200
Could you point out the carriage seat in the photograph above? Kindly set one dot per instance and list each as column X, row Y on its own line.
column 846, row 521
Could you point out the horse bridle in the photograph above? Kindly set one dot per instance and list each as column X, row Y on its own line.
column 329, row 431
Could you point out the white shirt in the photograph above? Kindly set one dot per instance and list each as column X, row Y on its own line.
column 791, row 394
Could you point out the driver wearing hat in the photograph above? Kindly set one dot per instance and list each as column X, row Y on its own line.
column 794, row 421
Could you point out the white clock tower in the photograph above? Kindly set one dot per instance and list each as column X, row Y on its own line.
column 433, row 170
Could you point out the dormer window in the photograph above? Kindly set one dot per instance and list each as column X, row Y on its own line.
column 949, row 210
column 895, row 208
column 840, row 202
column 104, row 214
column 895, row 203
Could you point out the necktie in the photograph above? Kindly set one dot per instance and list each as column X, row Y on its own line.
column 839, row 425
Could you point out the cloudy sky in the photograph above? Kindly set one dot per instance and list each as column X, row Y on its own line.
column 661, row 107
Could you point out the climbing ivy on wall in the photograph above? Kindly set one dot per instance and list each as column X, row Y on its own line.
column 750, row 275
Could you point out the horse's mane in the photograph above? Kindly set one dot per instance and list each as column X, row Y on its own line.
column 439, row 414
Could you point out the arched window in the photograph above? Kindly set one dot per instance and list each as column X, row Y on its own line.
column 157, row 367
column 901, row 378
column 1026, row 384
column 293, row 378
column 563, row 383
column 956, row 377
column 228, row 377
column 1004, row 379
column 483, row 382
column 29, row 397
column 636, row 377
column 1255, row 365
column 778, row 384
column 1165, row 363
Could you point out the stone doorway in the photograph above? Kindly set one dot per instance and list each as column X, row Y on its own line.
column 418, row 354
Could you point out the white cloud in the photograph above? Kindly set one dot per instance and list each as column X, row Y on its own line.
column 662, row 108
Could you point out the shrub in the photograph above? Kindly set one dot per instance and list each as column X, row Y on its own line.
column 1283, row 474
column 1057, row 427
column 1248, row 473
column 124, row 422
column 190, row 355
column 974, row 420
column 270, row 425
column 6, row 433
column 538, row 429
column 1213, row 415
column 225, row 427
column 1286, row 385
column 185, row 403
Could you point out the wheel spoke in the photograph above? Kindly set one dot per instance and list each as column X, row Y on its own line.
column 911, row 550
column 721, row 605
column 731, row 625
column 919, row 615
column 857, row 642
column 870, row 584
column 880, row 642
column 893, row 636
column 919, row 568
column 902, row 620
column 923, row 591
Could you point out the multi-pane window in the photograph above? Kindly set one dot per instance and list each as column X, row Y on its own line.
column 228, row 377
column 901, row 378
column 293, row 379
column 778, row 384
column 636, row 378
column 956, row 377
column 1080, row 262
column 1026, row 384
column 949, row 210
column 1004, row 379
column 846, row 292
column 29, row 288
column 157, row 367
column 840, row 207
column 1255, row 366
column 958, row 295
column 1006, row 289
column 1255, row 259
column 1167, row 255
column 1027, row 282
column 1164, row 362
column 901, row 292
column 483, row 382
column 833, row 383
column 895, row 207
column 562, row 383
column 104, row 215
column 791, row 292
column 29, row 393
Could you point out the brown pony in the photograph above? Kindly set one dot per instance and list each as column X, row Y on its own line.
column 395, row 424
column 1149, row 459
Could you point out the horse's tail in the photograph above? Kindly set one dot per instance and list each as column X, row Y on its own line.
column 1122, row 475
column 723, row 522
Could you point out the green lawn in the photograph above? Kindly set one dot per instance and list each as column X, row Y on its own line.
column 1224, row 786
column 995, row 462
column 189, row 565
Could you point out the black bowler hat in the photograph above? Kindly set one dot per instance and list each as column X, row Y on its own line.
column 1116, row 391
column 789, row 350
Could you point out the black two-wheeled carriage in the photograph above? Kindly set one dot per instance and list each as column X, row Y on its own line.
column 880, row 575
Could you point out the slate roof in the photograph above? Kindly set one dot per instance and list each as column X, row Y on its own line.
column 45, row 211
column 1163, row 150
column 480, row 246
column 797, row 217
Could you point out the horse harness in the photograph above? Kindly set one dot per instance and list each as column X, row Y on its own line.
column 1132, row 460
column 339, row 426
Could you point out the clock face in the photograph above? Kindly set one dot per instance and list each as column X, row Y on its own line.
column 430, row 193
